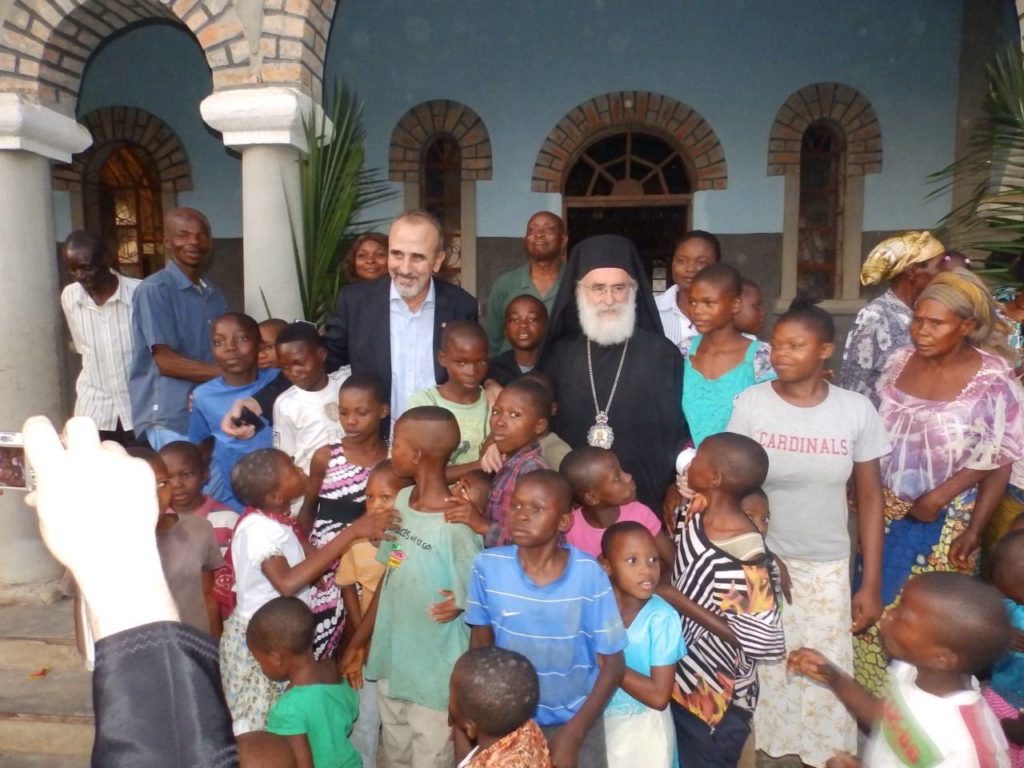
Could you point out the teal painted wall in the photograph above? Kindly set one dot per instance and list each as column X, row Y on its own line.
column 521, row 66
column 734, row 61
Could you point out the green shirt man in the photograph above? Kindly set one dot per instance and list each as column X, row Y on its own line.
column 545, row 243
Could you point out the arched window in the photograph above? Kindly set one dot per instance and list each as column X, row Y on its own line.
column 825, row 139
column 821, row 211
column 130, row 215
column 441, row 195
column 628, row 164
column 440, row 149
column 120, row 186
column 631, row 183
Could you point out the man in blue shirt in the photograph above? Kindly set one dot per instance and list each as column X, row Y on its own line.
column 173, row 311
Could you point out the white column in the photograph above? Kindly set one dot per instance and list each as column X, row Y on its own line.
column 468, row 227
column 30, row 346
column 266, row 125
column 790, row 236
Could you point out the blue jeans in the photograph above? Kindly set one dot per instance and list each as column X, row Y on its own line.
column 592, row 753
column 701, row 746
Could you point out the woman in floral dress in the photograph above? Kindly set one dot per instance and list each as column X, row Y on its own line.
column 953, row 412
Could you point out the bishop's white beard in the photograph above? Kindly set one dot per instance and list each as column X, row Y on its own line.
column 606, row 325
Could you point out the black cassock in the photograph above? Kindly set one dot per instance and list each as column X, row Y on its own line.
column 646, row 413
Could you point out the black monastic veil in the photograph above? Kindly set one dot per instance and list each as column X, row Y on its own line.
column 646, row 412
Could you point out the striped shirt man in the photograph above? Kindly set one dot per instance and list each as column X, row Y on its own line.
column 102, row 335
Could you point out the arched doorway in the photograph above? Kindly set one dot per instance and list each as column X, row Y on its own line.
column 634, row 183
column 826, row 138
column 121, row 185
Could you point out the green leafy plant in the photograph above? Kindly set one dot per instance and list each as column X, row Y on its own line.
column 992, row 217
column 336, row 189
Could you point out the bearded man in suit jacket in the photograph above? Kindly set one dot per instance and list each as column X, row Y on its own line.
column 389, row 327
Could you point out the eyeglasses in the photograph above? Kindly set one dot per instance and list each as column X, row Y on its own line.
column 616, row 290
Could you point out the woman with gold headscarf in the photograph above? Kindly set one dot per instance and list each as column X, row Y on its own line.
column 908, row 262
column 953, row 413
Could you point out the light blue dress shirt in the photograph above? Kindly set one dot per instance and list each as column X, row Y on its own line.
column 170, row 310
column 412, row 349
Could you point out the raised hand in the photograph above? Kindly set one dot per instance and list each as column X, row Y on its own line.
column 86, row 496
column 375, row 525
column 465, row 512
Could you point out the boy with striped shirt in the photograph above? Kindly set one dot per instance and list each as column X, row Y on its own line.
column 553, row 604
column 722, row 589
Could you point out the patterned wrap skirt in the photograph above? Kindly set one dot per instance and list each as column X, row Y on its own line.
column 794, row 715
column 1002, row 518
column 911, row 548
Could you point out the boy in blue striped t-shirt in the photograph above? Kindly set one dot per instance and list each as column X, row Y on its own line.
column 554, row 605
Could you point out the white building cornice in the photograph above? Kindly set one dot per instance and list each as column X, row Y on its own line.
column 32, row 127
column 250, row 116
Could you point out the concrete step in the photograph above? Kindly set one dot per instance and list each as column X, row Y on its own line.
column 47, row 720
column 37, row 760
column 35, row 636
column 53, row 736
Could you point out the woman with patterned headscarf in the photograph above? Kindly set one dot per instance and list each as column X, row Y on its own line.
column 908, row 262
column 953, row 413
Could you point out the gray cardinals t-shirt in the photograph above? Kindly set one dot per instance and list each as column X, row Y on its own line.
column 811, row 452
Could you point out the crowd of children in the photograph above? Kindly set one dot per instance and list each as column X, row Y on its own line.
column 475, row 593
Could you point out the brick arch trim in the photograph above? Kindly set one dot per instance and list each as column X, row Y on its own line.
column 841, row 105
column 431, row 119
column 591, row 119
column 46, row 45
column 129, row 125
column 293, row 43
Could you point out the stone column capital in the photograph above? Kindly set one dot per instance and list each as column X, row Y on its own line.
column 269, row 115
column 32, row 127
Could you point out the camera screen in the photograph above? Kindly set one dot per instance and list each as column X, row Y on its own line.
column 13, row 473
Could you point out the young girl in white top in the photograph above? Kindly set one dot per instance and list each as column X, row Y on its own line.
column 269, row 561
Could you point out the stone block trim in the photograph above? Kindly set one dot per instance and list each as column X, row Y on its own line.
column 845, row 108
column 45, row 44
column 293, row 43
column 129, row 125
column 592, row 119
column 425, row 122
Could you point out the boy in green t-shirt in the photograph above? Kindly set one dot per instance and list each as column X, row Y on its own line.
column 316, row 711
column 463, row 354
column 415, row 641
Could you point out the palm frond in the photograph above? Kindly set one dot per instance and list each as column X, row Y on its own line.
column 335, row 190
column 991, row 218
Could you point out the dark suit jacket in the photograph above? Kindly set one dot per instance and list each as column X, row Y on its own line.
column 359, row 330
